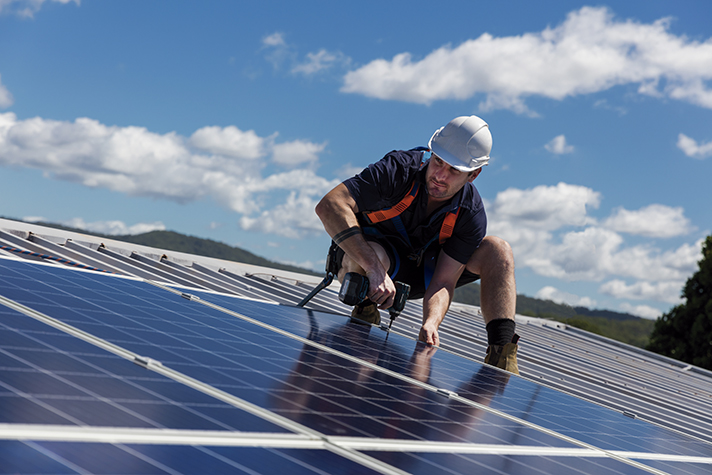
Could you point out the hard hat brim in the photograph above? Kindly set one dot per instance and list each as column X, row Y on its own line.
column 453, row 161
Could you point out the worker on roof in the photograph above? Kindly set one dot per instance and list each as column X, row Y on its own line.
column 416, row 217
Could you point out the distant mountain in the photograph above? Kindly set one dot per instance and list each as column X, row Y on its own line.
column 619, row 326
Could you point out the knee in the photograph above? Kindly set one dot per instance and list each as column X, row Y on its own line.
column 495, row 254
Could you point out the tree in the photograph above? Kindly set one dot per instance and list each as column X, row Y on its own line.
column 685, row 333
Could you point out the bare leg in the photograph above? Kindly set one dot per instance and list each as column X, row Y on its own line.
column 493, row 261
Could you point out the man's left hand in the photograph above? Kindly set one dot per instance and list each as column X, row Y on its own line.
column 429, row 334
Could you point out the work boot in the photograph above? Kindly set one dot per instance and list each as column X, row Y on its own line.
column 504, row 357
column 366, row 312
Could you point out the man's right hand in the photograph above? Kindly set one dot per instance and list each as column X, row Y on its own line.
column 381, row 289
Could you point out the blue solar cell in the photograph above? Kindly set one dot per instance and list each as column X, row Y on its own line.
column 49, row 377
column 72, row 457
column 252, row 460
column 100, row 459
column 424, row 463
column 19, row 457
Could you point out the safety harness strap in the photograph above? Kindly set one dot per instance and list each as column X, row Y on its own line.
column 393, row 213
column 448, row 225
column 390, row 213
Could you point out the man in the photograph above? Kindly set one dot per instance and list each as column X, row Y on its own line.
column 416, row 217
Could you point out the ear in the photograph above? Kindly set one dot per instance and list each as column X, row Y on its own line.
column 474, row 175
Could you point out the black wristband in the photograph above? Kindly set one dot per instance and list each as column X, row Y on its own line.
column 346, row 233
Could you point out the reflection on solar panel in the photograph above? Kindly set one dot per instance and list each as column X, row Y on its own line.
column 107, row 374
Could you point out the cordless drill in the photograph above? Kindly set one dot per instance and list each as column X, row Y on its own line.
column 354, row 290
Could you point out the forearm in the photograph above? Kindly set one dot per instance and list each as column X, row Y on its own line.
column 337, row 212
column 436, row 303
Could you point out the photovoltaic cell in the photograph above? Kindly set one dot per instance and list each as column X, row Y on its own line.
column 320, row 382
column 72, row 458
column 49, row 377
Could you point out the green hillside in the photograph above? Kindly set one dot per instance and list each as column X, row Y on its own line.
column 618, row 326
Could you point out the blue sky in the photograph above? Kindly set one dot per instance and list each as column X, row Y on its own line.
column 229, row 120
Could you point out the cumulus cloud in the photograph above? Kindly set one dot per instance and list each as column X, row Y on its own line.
column 559, row 146
column 223, row 164
column 6, row 99
column 279, row 52
column 692, row 149
column 552, row 234
column 275, row 39
column 663, row 291
column 231, row 142
column 321, row 61
column 111, row 228
column 293, row 219
column 590, row 51
column 546, row 207
column 642, row 311
column 297, row 152
column 27, row 8
column 652, row 221
column 114, row 228
column 559, row 296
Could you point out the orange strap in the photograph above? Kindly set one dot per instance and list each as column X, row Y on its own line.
column 448, row 225
column 390, row 213
column 446, row 229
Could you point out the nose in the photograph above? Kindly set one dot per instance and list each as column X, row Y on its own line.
column 439, row 174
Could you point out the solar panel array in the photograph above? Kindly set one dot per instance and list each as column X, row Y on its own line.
column 222, row 373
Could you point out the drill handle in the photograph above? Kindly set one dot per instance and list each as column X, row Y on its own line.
column 402, row 293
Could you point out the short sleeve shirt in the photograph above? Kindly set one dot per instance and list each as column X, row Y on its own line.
column 384, row 184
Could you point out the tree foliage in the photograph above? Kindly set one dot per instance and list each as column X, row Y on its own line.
column 685, row 333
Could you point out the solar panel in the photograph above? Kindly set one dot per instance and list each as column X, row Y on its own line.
column 348, row 395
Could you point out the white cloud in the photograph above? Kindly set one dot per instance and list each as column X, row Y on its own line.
column 691, row 148
column 27, row 8
column 114, row 228
column 293, row 219
column 643, row 311
column 6, row 99
column 138, row 162
column 275, row 39
column 559, row 296
column 546, row 207
column 279, row 52
column 663, row 291
column 587, row 53
column 537, row 223
column 297, row 152
column 654, row 220
column 559, row 146
column 231, row 142
column 321, row 61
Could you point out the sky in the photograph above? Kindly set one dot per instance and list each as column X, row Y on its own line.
column 230, row 120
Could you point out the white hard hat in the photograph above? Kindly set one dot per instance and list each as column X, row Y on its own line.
column 464, row 143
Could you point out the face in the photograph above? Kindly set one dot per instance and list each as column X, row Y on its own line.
column 444, row 181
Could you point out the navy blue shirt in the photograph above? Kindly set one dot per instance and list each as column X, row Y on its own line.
column 385, row 183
